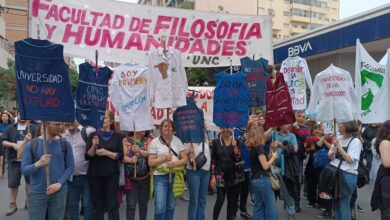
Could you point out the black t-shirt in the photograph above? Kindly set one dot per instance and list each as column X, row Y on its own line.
column 256, row 168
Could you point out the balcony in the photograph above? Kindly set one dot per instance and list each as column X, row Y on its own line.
column 294, row 30
column 301, row 19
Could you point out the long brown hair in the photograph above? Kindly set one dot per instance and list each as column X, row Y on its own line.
column 383, row 134
column 255, row 136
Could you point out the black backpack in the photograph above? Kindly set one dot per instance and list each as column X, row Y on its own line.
column 34, row 146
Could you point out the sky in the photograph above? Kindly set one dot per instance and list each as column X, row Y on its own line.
column 351, row 7
column 347, row 7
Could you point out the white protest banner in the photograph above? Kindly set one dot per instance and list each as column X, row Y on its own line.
column 204, row 100
column 122, row 31
column 369, row 83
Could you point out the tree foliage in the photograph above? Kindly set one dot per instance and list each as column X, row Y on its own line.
column 200, row 76
column 7, row 81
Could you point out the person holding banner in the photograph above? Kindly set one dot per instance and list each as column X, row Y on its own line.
column 167, row 157
column 226, row 172
column 137, row 170
column 198, row 181
column 48, row 200
column 104, row 151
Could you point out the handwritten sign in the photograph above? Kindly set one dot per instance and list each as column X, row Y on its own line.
column 231, row 100
column 123, row 31
column 189, row 122
column 42, row 83
column 295, row 73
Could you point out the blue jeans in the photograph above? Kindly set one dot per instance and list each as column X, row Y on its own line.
column 164, row 202
column 79, row 189
column 342, row 206
column 265, row 204
column 198, row 182
column 38, row 203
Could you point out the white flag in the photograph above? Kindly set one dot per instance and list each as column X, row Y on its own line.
column 371, row 86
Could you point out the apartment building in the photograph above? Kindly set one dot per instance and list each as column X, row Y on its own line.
column 289, row 17
column 15, row 15
column 4, row 54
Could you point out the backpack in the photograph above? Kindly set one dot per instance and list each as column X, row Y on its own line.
column 84, row 134
column 320, row 158
column 363, row 177
column 34, row 146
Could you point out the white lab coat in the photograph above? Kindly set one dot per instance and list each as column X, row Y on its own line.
column 172, row 91
column 333, row 91
column 128, row 92
column 296, row 74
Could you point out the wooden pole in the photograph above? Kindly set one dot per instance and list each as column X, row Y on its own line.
column 135, row 165
column 45, row 151
column 170, row 150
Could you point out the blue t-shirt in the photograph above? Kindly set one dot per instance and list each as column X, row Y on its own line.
column 290, row 137
column 3, row 126
column 42, row 81
column 189, row 122
column 256, row 75
column 91, row 95
column 60, row 168
column 231, row 100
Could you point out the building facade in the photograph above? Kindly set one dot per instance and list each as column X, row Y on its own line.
column 289, row 17
column 4, row 45
column 15, row 15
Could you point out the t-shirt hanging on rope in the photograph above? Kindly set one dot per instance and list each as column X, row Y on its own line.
column 189, row 122
column 278, row 103
column 296, row 74
column 128, row 92
column 91, row 94
column 231, row 100
column 333, row 91
column 42, row 81
column 168, row 81
column 257, row 76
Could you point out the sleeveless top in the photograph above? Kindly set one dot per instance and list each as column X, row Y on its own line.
column 91, row 95
column 43, row 84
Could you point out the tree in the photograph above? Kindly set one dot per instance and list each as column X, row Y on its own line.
column 74, row 76
column 8, row 82
column 200, row 76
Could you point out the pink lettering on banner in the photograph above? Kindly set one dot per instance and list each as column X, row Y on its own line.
column 145, row 25
column 117, row 42
column 213, row 47
column 50, row 30
column 197, row 28
column 162, row 23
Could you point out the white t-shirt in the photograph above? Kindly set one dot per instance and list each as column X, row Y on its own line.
column 159, row 149
column 197, row 150
column 354, row 150
column 129, row 95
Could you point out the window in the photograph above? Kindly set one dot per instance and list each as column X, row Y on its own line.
column 286, row 13
column 285, row 25
column 271, row 12
column 303, row 26
column 261, row 10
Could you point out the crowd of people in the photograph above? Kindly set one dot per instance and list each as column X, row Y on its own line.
column 92, row 170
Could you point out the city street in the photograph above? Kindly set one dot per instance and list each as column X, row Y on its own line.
column 181, row 208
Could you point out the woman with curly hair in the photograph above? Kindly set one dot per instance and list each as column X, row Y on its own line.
column 381, row 195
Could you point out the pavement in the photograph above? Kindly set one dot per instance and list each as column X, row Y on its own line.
column 364, row 196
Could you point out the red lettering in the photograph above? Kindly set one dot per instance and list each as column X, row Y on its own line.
column 227, row 48
column 119, row 22
column 222, row 30
column 50, row 30
column 52, row 13
column 213, row 47
column 96, row 36
column 36, row 6
column 135, row 24
column 106, row 21
column 68, row 33
column 234, row 28
column 112, row 43
column 182, row 26
column 62, row 12
column 241, row 48
column 197, row 46
column 254, row 31
column 95, row 16
column 204, row 106
column 182, row 44
column 197, row 28
column 134, row 41
column 145, row 26
column 160, row 24
column 210, row 30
